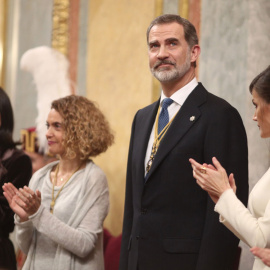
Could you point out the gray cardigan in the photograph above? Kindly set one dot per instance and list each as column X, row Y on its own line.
column 71, row 238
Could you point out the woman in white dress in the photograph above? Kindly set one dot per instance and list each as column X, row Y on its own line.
column 251, row 226
column 60, row 216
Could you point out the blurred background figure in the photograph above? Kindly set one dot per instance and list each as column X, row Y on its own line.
column 15, row 167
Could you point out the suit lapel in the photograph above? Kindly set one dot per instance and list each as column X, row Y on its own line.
column 187, row 116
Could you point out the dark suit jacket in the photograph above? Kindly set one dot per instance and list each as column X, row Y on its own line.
column 169, row 221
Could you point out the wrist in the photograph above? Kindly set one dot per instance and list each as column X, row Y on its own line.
column 24, row 219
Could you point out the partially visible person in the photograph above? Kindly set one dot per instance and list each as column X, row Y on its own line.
column 15, row 167
column 251, row 226
column 60, row 215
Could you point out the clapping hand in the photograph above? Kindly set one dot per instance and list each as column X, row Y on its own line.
column 24, row 202
column 212, row 178
column 262, row 253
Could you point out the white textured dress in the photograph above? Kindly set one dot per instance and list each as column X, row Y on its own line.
column 252, row 225
column 71, row 237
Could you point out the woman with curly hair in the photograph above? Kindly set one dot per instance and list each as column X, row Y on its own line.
column 15, row 166
column 60, row 215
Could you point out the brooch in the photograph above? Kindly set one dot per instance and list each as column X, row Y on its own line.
column 192, row 118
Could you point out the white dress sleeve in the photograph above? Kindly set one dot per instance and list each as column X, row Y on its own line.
column 237, row 218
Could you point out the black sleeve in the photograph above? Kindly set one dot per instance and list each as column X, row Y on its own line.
column 19, row 171
column 226, row 140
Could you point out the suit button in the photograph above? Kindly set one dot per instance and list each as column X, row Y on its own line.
column 137, row 237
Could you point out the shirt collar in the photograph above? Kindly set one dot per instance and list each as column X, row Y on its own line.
column 181, row 95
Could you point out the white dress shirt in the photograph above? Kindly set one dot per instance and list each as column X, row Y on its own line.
column 178, row 98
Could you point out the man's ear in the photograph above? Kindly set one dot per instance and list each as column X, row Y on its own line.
column 195, row 53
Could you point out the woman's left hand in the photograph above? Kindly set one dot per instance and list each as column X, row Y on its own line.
column 262, row 253
column 212, row 179
column 30, row 200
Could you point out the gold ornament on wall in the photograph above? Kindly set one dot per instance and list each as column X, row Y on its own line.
column 183, row 8
column 60, row 31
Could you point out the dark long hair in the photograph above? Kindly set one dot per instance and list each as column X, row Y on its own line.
column 261, row 84
column 7, row 123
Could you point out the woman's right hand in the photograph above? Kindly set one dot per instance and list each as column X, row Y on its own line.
column 10, row 193
column 212, row 178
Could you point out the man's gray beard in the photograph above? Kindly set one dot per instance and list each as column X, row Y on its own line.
column 173, row 74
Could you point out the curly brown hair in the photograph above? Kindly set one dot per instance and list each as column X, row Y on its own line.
column 87, row 132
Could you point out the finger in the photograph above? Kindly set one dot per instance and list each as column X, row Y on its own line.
column 216, row 163
column 199, row 168
column 254, row 249
column 195, row 163
column 199, row 183
column 23, row 195
column 5, row 188
column 231, row 180
column 258, row 252
column 19, row 201
column 210, row 166
column 201, row 171
column 12, row 187
column 197, row 174
column 8, row 187
column 29, row 192
column 38, row 194
column 7, row 196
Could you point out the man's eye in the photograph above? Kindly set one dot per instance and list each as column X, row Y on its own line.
column 153, row 46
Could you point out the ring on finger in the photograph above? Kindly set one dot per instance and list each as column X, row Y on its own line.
column 203, row 170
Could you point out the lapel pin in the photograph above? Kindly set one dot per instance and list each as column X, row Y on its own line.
column 192, row 118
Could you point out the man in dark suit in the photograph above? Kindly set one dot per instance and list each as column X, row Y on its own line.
column 169, row 222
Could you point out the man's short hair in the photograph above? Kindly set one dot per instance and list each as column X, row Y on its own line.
column 189, row 29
